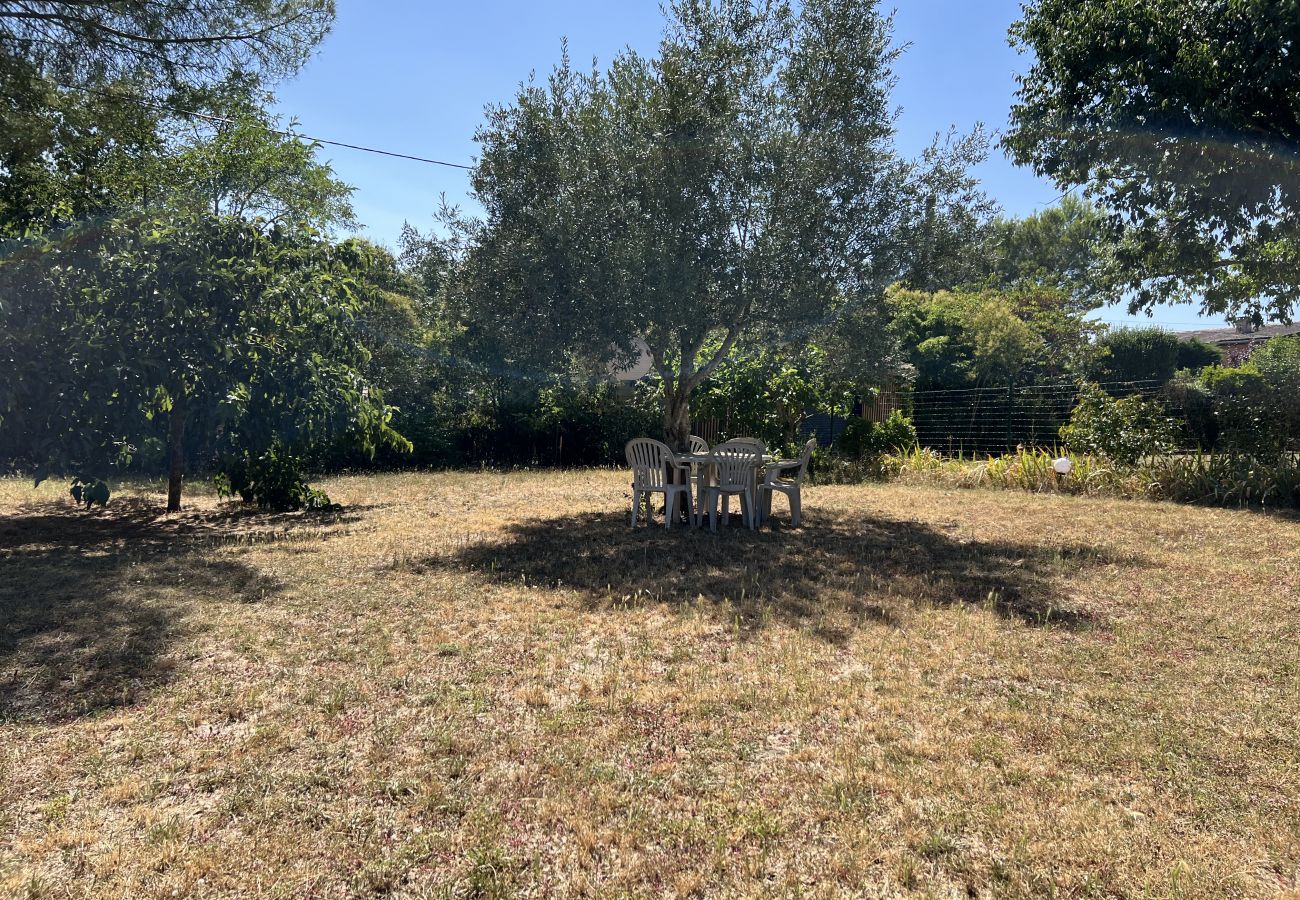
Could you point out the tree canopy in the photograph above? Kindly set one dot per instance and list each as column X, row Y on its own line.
column 966, row 338
column 126, row 334
column 234, row 158
column 1059, row 248
column 73, row 155
column 164, row 44
column 743, row 180
column 1178, row 118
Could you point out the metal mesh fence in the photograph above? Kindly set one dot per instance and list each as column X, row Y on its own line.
column 997, row 419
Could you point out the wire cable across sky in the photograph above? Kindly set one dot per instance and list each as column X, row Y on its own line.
column 225, row 120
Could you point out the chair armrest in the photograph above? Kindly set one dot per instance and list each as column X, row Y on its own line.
column 775, row 469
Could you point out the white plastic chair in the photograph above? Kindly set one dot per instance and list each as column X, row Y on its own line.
column 787, row 476
column 733, row 473
column 754, row 444
column 651, row 461
column 700, row 446
column 758, row 446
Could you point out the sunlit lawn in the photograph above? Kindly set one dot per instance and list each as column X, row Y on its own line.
column 488, row 684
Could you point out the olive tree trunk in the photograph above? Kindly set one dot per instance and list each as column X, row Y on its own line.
column 677, row 420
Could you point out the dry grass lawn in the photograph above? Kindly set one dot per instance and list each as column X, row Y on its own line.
column 486, row 684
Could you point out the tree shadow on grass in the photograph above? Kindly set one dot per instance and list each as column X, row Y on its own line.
column 91, row 603
column 831, row 575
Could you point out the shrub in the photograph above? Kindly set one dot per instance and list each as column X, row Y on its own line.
column 1028, row 469
column 1226, row 479
column 1243, row 408
column 273, row 480
column 89, row 490
column 1150, row 355
column 1278, row 362
column 1220, row 479
column 1125, row 430
column 1200, row 425
column 1138, row 354
column 863, row 439
column 1195, row 354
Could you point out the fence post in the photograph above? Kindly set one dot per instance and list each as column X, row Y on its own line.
column 1011, row 386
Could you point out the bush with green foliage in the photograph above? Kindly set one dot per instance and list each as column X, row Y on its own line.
column 88, row 491
column 508, row 423
column 1251, row 408
column 1243, row 411
column 1278, row 362
column 1199, row 425
column 1149, row 355
column 591, row 424
column 1232, row 478
column 864, row 439
column 768, row 393
column 272, row 479
column 1126, row 430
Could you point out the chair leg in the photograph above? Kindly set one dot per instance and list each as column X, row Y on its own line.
column 795, row 507
column 713, row 512
column 636, row 506
column 670, row 508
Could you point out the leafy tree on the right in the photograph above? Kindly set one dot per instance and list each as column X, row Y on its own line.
column 1179, row 119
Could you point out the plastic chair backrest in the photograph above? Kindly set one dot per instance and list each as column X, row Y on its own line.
column 699, row 444
column 804, row 459
column 758, row 446
column 735, row 465
column 647, row 458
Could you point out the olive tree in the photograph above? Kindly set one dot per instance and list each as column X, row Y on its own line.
column 743, row 181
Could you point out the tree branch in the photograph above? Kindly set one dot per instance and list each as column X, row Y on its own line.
column 733, row 332
column 73, row 23
column 657, row 357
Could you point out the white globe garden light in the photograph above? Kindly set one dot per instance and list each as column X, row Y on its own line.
column 1062, row 466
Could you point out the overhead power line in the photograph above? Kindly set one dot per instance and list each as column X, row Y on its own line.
column 225, row 120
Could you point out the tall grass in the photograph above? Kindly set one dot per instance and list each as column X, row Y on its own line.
column 1219, row 479
column 1227, row 479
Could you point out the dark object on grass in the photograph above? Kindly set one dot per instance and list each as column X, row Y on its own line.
column 89, row 491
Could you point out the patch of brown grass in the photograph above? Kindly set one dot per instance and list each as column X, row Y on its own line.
column 486, row 684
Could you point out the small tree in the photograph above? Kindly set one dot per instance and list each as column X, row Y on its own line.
column 126, row 335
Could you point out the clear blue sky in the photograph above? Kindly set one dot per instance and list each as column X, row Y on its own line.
column 414, row 76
